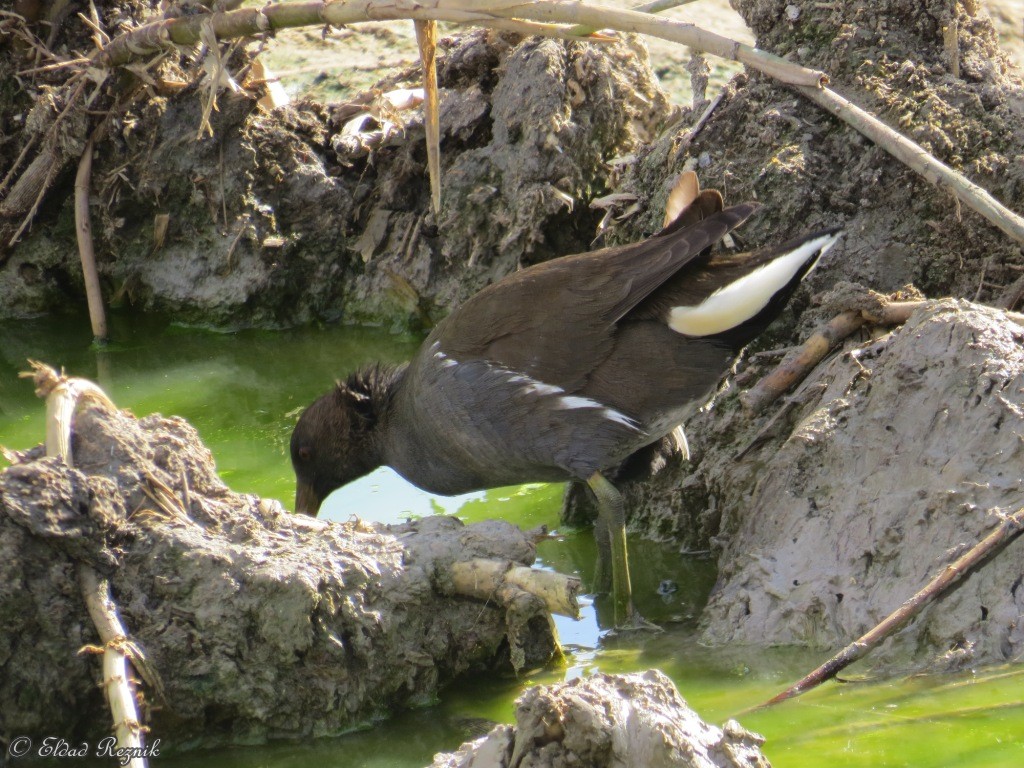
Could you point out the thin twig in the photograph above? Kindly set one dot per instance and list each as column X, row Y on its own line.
column 1007, row 531
column 17, row 162
column 702, row 121
column 56, row 65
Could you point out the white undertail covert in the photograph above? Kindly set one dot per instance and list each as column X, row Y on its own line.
column 739, row 301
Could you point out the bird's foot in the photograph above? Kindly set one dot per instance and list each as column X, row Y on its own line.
column 636, row 623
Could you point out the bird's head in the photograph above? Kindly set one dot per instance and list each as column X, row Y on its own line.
column 334, row 441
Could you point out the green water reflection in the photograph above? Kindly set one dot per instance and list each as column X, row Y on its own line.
column 242, row 392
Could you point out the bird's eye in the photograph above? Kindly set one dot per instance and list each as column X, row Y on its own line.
column 305, row 453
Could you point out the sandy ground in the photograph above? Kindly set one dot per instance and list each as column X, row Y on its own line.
column 344, row 62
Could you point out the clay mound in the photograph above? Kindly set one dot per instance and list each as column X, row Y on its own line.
column 627, row 721
column 901, row 454
column 259, row 623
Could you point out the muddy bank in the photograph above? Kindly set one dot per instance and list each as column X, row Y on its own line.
column 278, row 219
column 901, row 453
column 636, row 721
column 259, row 623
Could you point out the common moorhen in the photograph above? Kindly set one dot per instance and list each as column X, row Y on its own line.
column 560, row 371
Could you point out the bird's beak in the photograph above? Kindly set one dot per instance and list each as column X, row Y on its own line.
column 306, row 500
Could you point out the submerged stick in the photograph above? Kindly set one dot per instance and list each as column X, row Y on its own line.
column 1007, row 531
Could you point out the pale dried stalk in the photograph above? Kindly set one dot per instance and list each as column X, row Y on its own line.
column 426, row 39
column 63, row 396
column 116, row 669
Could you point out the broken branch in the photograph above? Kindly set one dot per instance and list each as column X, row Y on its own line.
column 795, row 367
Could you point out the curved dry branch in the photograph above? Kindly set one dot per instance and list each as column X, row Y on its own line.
column 156, row 36
column 83, row 230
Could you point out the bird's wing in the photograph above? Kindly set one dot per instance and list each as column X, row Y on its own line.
column 555, row 321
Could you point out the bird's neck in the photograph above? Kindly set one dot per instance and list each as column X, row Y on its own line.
column 379, row 386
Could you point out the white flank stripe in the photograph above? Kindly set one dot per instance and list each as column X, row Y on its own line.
column 540, row 388
column 739, row 301
column 446, row 362
column 574, row 401
column 531, row 386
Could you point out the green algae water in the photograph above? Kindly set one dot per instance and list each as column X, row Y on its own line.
column 243, row 392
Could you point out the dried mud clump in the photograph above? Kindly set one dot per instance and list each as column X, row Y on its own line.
column 635, row 721
column 259, row 623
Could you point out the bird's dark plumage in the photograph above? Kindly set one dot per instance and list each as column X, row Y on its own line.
column 561, row 370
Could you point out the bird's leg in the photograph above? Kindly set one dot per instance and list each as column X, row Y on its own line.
column 603, row 576
column 611, row 514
